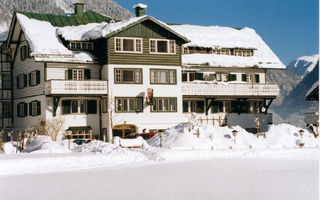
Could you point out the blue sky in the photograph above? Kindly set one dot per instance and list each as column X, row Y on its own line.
column 289, row 27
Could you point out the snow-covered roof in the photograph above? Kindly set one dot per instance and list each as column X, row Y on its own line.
column 94, row 30
column 314, row 87
column 141, row 5
column 226, row 37
column 45, row 44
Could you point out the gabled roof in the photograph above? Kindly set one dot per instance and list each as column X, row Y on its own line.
column 68, row 20
column 91, row 31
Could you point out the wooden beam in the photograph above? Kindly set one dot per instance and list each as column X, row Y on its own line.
column 268, row 105
column 55, row 104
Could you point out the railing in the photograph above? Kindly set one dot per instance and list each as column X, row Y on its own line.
column 76, row 87
column 230, row 89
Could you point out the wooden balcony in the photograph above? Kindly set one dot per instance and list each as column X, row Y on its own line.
column 230, row 89
column 72, row 87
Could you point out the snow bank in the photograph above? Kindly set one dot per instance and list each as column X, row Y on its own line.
column 214, row 137
column 9, row 148
column 95, row 146
column 137, row 142
column 44, row 144
column 227, row 37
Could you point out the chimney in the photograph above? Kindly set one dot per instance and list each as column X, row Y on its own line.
column 140, row 9
column 78, row 9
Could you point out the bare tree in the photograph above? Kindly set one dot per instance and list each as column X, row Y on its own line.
column 53, row 128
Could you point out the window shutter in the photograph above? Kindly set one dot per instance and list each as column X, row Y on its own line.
column 18, row 84
column 244, row 77
column 18, row 110
column 87, row 74
column 25, row 79
column 29, row 79
column 257, row 78
column 37, row 77
column 69, row 74
column 30, row 109
column 25, row 109
column 38, row 107
column 199, row 76
column 66, row 107
column 139, row 105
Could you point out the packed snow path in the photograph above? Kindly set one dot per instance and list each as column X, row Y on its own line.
column 227, row 179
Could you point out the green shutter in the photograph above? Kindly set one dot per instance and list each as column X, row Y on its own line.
column 199, row 76
column 87, row 74
column 29, row 78
column 25, row 109
column 18, row 82
column 37, row 77
column 30, row 109
column 244, row 77
column 257, row 78
column 18, row 110
column 38, row 107
column 232, row 77
column 69, row 74
column 66, row 107
column 25, row 79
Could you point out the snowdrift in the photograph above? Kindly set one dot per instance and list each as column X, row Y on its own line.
column 214, row 137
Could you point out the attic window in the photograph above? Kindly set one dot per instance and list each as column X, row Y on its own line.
column 84, row 46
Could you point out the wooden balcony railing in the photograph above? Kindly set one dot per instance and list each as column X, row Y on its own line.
column 230, row 89
column 76, row 87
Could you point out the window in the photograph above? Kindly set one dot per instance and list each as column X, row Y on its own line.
column 78, row 74
column 6, row 81
column 188, row 76
column 128, row 76
column 164, row 104
column 6, row 109
column 232, row 77
column 34, row 78
column 240, row 106
column 23, row 52
column 34, row 108
column 22, row 109
column 76, row 106
column 163, row 76
column 217, row 106
column 85, row 46
column 21, row 81
column 257, row 78
column 128, row 45
column 244, row 77
column 129, row 104
column 196, row 106
column 162, row 46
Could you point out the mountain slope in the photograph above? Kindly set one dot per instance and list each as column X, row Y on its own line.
column 294, row 105
column 303, row 65
column 7, row 7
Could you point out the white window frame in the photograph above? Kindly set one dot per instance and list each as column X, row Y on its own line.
column 33, row 78
column 135, row 39
column 78, row 71
column 168, row 46
column 34, row 108
column 171, row 75
column 73, row 45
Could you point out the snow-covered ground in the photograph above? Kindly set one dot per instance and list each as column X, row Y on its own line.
column 211, row 166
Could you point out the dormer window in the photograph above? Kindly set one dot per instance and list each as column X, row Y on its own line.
column 83, row 46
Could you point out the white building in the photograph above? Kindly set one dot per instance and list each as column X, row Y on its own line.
column 113, row 78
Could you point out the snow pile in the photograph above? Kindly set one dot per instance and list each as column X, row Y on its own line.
column 95, row 146
column 9, row 148
column 214, row 137
column 44, row 144
column 135, row 143
column 226, row 37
